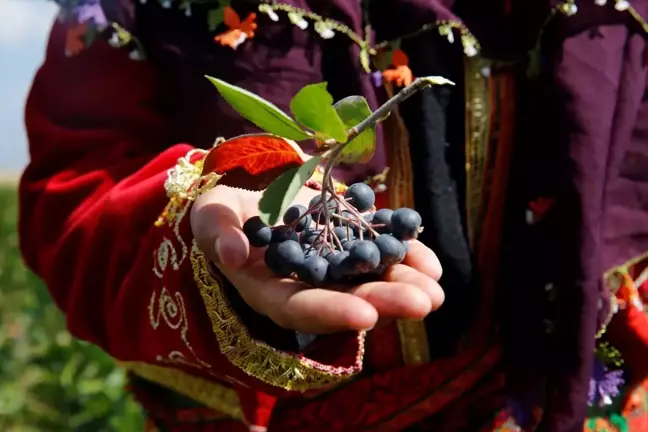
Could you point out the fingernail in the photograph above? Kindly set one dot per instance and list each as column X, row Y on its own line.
column 229, row 255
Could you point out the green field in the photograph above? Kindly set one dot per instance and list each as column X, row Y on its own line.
column 49, row 381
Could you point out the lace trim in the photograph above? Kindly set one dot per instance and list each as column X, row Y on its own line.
column 256, row 358
column 210, row 394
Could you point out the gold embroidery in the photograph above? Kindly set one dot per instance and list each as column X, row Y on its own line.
column 257, row 359
column 171, row 309
column 183, row 185
column 477, row 136
column 413, row 336
column 210, row 394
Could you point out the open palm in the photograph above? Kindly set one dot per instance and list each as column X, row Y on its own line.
column 408, row 290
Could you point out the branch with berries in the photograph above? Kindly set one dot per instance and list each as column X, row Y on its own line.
column 336, row 239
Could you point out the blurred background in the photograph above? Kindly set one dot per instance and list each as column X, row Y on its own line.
column 49, row 381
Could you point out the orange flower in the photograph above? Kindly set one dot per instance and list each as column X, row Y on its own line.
column 239, row 31
column 400, row 74
column 74, row 38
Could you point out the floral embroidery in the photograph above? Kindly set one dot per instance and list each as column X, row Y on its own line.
column 239, row 31
column 74, row 39
column 91, row 13
column 400, row 73
column 605, row 385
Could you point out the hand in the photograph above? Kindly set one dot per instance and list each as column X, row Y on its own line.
column 409, row 290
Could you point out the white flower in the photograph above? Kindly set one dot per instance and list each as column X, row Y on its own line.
column 266, row 9
column 621, row 5
column 569, row 9
column 324, row 30
column 298, row 20
column 143, row 1
column 600, row 2
column 469, row 49
column 166, row 4
column 446, row 30
column 188, row 9
column 114, row 41
column 486, row 71
column 135, row 55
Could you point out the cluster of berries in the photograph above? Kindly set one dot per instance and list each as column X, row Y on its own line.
column 342, row 242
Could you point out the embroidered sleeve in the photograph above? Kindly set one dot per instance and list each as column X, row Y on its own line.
column 255, row 356
column 90, row 198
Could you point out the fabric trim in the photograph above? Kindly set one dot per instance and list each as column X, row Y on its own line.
column 258, row 359
column 478, row 114
column 212, row 395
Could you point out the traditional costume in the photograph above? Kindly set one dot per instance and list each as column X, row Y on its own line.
column 531, row 175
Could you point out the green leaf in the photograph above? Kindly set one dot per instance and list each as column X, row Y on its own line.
column 283, row 190
column 259, row 111
column 215, row 18
column 352, row 110
column 312, row 107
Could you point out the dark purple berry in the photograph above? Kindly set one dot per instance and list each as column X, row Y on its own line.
column 392, row 250
column 283, row 233
column 309, row 236
column 383, row 217
column 258, row 233
column 284, row 258
column 360, row 196
column 295, row 213
column 316, row 203
column 313, row 271
column 343, row 233
column 339, row 267
column 364, row 256
column 405, row 223
column 347, row 244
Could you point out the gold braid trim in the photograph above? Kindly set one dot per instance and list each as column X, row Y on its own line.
column 210, row 394
column 258, row 359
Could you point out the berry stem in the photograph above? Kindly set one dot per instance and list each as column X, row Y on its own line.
column 385, row 109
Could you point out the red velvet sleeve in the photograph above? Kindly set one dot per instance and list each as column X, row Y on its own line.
column 95, row 186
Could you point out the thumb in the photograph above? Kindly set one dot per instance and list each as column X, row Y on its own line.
column 218, row 232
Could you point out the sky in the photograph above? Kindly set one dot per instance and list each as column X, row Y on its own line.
column 24, row 25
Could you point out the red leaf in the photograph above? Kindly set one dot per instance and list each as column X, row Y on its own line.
column 253, row 161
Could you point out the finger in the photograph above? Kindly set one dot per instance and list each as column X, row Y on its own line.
column 395, row 299
column 425, row 284
column 423, row 259
column 290, row 304
column 219, row 234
